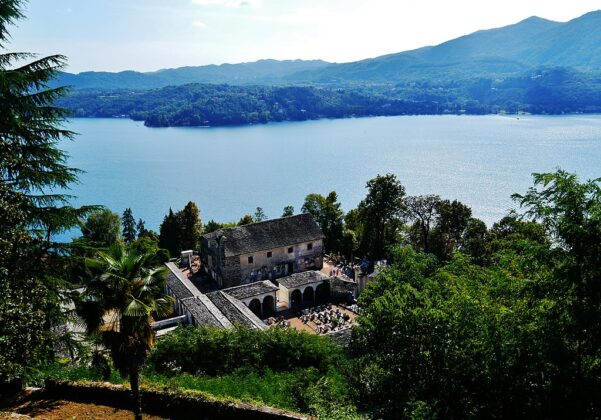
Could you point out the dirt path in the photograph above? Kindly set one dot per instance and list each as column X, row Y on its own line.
column 49, row 409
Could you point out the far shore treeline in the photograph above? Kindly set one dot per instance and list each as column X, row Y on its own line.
column 542, row 91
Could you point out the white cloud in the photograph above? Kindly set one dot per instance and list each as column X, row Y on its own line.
column 199, row 24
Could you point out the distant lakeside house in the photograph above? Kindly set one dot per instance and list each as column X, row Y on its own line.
column 263, row 251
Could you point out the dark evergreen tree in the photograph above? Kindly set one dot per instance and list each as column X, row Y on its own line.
column 129, row 226
column 169, row 234
column 190, row 227
column 30, row 129
column 288, row 211
column 32, row 172
column 141, row 228
column 24, row 336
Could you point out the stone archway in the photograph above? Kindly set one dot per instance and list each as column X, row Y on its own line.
column 296, row 298
column 255, row 306
column 322, row 293
column 309, row 296
column 268, row 305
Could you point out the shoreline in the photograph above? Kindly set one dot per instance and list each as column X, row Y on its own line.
column 504, row 115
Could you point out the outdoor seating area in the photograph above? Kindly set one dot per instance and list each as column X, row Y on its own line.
column 327, row 318
column 279, row 321
column 321, row 319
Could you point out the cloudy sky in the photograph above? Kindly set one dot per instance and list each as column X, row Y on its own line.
column 147, row 35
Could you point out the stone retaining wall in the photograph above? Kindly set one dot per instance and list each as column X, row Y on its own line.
column 167, row 403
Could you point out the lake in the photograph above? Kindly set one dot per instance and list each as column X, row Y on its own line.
column 229, row 171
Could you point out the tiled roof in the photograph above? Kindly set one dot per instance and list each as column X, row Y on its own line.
column 203, row 314
column 235, row 311
column 215, row 309
column 253, row 289
column 270, row 234
column 179, row 284
column 300, row 279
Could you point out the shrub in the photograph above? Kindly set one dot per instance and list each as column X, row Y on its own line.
column 214, row 351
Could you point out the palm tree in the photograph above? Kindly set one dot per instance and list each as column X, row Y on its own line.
column 118, row 305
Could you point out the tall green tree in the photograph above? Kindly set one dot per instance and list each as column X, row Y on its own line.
column 26, row 298
column 259, row 215
column 33, row 171
column 381, row 214
column 30, row 129
column 119, row 304
column 102, row 228
column 422, row 210
column 141, row 228
column 328, row 214
column 288, row 211
column 169, row 234
column 570, row 211
column 129, row 226
column 190, row 227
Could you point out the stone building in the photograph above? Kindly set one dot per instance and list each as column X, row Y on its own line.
column 217, row 309
column 263, row 251
column 310, row 287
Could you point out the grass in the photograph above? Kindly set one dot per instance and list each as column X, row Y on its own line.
column 277, row 389
column 66, row 372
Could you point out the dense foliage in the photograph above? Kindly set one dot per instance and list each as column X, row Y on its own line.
column 32, row 171
column 215, row 351
column 181, row 231
column 287, row 368
column 516, row 336
column 541, row 91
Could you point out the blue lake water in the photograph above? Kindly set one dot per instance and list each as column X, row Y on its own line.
column 228, row 172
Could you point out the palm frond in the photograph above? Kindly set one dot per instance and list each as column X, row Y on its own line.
column 137, row 308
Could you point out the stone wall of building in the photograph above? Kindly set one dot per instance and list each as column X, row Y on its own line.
column 264, row 267
column 229, row 272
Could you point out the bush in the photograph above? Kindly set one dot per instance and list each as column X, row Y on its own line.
column 214, row 351
column 62, row 370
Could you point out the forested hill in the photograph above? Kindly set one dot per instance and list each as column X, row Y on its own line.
column 508, row 51
column 542, row 91
column 258, row 72
column 217, row 105
column 529, row 44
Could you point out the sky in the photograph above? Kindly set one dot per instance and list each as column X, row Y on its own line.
column 147, row 35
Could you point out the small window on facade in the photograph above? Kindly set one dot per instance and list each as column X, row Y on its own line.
column 250, row 260
column 310, row 246
column 269, row 254
column 290, row 250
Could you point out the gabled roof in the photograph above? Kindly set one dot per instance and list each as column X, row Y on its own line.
column 205, row 314
column 253, row 289
column 300, row 279
column 199, row 312
column 235, row 311
column 198, row 305
column 179, row 284
column 270, row 234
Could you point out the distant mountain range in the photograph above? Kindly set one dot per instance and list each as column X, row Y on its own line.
column 510, row 50
column 258, row 72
